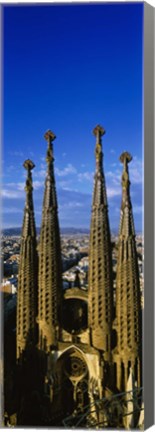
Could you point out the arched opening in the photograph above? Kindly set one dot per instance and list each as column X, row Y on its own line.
column 74, row 317
column 72, row 395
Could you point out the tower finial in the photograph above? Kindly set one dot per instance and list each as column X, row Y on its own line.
column 98, row 131
column 125, row 158
column 49, row 137
column 28, row 165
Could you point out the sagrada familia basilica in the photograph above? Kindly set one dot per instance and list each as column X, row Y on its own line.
column 85, row 374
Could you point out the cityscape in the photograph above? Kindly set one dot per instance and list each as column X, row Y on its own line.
column 74, row 257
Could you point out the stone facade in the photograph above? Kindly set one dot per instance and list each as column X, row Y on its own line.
column 100, row 261
column 27, row 298
column 77, row 362
column 127, row 354
column 50, row 283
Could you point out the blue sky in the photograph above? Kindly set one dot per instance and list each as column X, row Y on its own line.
column 68, row 68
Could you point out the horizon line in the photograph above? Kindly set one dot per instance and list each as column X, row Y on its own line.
column 65, row 227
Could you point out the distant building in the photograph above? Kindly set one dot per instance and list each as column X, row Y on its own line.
column 9, row 285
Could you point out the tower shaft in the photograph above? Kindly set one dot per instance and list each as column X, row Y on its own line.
column 100, row 260
column 128, row 307
column 50, row 284
column 28, row 273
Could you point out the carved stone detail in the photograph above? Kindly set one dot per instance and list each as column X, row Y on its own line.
column 50, row 285
column 28, row 273
column 100, row 260
column 128, row 309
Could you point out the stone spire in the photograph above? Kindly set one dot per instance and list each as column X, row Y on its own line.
column 128, row 308
column 50, row 283
column 28, row 273
column 100, row 260
column 126, row 221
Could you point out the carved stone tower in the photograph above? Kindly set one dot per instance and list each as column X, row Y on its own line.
column 28, row 273
column 50, row 284
column 100, row 261
column 127, row 355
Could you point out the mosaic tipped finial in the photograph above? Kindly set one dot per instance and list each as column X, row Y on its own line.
column 125, row 158
column 49, row 137
column 28, row 165
column 98, row 131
